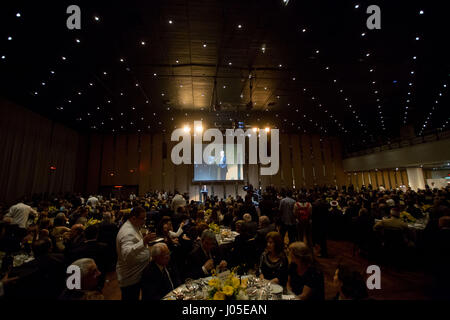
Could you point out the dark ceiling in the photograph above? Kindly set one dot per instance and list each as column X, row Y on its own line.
column 150, row 66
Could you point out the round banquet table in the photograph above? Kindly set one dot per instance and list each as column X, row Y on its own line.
column 257, row 289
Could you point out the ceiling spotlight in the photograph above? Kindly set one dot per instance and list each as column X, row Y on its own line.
column 3, row 57
column 64, row 58
column 356, row 6
column 142, row 43
column 304, row 30
column 263, row 48
column 280, row 65
column 77, row 40
column 177, row 61
column 104, row 72
column 154, row 74
column 186, row 129
column 285, row 2
column 91, row 84
column 18, row 15
column 43, row 83
column 417, row 38
column 121, row 60
column 9, row 38
column 363, row 34
column 317, row 51
column 204, row 45
column 421, row 12
column 96, row 18
column 239, row 26
column 170, row 21
column 229, row 63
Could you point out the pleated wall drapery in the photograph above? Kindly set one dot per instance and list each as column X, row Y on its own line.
column 29, row 145
column 120, row 155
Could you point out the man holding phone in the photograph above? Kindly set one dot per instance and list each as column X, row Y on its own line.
column 203, row 259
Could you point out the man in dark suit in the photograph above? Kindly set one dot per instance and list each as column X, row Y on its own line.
column 42, row 278
column 264, row 228
column 205, row 257
column 93, row 249
column 249, row 227
column 158, row 279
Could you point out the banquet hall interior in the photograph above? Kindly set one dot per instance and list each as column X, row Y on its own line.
column 224, row 150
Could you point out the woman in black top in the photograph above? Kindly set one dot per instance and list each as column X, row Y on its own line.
column 305, row 280
column 273, row 264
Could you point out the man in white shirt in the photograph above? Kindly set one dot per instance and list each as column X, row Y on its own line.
column 178, row 201
column 92, row 202
column 133, row 254
column 19, row 214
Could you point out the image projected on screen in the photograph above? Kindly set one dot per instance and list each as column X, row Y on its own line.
column 211, row 171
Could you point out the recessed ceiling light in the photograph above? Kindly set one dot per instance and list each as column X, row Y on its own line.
column 421, row 12
column 304, row 30
column 3, row 57
column 356, row 6
column 142, row 43
column 204, row 45
column 121, row 60
column 18, row 15
column 9, row 38
column 417, row 38
column 177, row 61
column 96, row 18
column 105, row 73
column 363, row 34
column 239, row 26
column 154, row 74
column 170, row 21
column 64, row 58
column 77, row 40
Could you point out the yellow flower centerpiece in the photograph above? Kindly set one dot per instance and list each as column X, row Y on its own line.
column 91, row 222
column 214, row 227
column 407, row 217
column 228, row 288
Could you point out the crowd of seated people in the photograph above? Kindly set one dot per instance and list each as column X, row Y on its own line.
column 157, row 241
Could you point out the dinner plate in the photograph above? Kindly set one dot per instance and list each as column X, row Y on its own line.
column 275, row 288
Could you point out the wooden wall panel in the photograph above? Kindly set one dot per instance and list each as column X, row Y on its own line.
column 144, row 164
column 360, row 180
column 307, row 160
column 366, row 178
column 230, row 189
column 133, row 160
column 253, row 174
column 156, row 167
column 405, row 178
column 108, row 162
column 296, row 161
column 386, row 179
column 285, row 158
column 392, row 175
column 94, row 164
column 337, row 160
column 168, row 166
column 318, row 163
column 373, row 177
column 120, row 159
column 328, row 161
